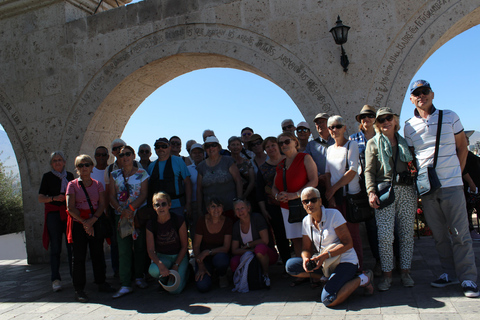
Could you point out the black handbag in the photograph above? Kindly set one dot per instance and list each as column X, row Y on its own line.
column 427, row 179
column 296, row 211
column 386, row 194
column 358, row 207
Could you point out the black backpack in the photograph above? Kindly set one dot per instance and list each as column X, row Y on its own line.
column 255, row 275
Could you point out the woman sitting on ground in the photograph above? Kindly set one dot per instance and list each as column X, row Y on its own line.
column 211, row 245
column 325, row 235
column 167, row 242
column 250, row 233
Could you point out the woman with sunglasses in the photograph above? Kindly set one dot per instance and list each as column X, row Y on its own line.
column 300, row 171
column 244, row 166
column 324, row 236
column 388, row 152
column 342, row 177
column 167, row 242
column 86, row 203
column 211, row 245
column 52, row 194
column 303, row 134
column 256, row 146
column 366, row 131
column 128, row 191
column 218, row 176
column 269, row 207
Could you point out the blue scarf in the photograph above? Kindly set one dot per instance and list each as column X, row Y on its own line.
column 62, row 176
column 385, row 150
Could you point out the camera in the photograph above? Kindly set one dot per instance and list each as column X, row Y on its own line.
column 311, row 265
column 405, row 178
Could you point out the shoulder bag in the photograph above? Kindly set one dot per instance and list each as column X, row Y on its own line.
column 329, row 265
column 296, row 211
column 358, row 207
column 427, row 179
column 101, row 227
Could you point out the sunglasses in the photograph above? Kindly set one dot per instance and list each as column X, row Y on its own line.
column 303, row 130
column 210, row 145
column 117, row 148
column 101, row 154
column 338, row 126
column 290, row 126
column 160, row 204
column 128, row 154
column 161, row 146
column 312, row 200
column 286, row 142
column 363, row 116
column 254, row 144
column 143, row 151
column 387, row 118
column 86, row 165
column 175, row 143
column 424, row 91
column 246, row 134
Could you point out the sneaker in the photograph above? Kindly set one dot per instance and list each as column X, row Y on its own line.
column 443, row 281
column 123, row 291
column 470, row 289
column 223, row 281
column 385, row 284
column 368, row 287
column 81, row 296
column 266, row 279
column 141, row 283
column 56, row 285
column 106, row 287
column 475, row 236
column 407, row 280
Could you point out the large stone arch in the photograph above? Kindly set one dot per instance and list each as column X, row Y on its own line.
column 138, row 70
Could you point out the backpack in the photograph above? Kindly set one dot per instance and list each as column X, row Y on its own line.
column 255, row 275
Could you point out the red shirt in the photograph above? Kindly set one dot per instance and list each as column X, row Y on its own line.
column 296, row 176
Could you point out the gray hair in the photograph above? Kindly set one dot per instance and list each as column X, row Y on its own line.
column 335, row 119
column 284, row 122
column 307, row 190
column 118, row 141
column 57, row 153
column 234, row 138
column 145, row 145
column 239, row 200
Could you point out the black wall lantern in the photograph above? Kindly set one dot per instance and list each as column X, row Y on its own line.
column 340, row 34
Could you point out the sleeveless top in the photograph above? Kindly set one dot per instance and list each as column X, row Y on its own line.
column 296, row 176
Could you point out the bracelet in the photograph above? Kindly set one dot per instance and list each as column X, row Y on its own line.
column 210, row 252
column 276, row 196
column 176, row 264
column 329, row 254
column 131, row 208
column 119, row 209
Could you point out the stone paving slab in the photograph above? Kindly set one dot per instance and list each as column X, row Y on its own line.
column 25, row 293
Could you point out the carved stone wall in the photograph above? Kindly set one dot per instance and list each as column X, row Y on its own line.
column 71, row 80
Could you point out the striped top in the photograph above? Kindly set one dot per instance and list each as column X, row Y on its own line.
column 421, row 134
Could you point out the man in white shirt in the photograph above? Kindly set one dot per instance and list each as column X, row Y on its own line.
column 444, row 208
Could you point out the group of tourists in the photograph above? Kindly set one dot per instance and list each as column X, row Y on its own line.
column 250, row 204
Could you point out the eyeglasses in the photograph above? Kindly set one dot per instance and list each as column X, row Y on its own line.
column 128, row 154
column 424, row 91
column 160, row 204
column 290, row 126
column 161, row 146
column 254, row 144
column 175, row 143
column 143, row 151
column 286, row 142
column 388, row 118
column 312, row 200
column 338, row 126
column 86, row 165
column 101, row 154
column 246, row 134
column 117, row 148
column 210, row 145
column 303, row 130
column 363, row 116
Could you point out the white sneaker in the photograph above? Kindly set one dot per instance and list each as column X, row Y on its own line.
column 56, row 285
column 470, row 289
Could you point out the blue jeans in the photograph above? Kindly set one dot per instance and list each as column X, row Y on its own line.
column 56, row 229
column 218, row 262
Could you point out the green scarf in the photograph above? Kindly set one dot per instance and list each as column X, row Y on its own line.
column 385, row 150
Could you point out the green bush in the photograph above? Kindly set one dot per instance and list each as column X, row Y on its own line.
column 11, row 204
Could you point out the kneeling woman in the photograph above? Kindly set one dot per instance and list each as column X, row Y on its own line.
column 322, row 228
column 250, row 233
column 167, row 241
column 212, row 242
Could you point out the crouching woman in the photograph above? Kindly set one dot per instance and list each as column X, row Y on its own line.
column 327, row 230
column 167, row 242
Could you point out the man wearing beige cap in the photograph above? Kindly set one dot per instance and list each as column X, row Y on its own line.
column 288, row 126
column 317, row 148
column 303, row 134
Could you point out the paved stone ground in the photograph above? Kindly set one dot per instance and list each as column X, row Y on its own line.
column 25, row 293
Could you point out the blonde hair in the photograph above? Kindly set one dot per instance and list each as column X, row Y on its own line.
column 162, row 195
column 397, row 124
column 83, row 158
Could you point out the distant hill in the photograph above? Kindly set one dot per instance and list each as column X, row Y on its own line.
column 7, row 155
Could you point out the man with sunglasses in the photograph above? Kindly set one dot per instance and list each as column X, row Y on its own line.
column 287, row 125
column 101, row 158
column 444, row 208
column 145, row 152
column 317, row 148
column 303, row 134
column 170, row 174
column 246, row 134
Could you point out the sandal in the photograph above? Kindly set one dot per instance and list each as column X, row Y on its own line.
column 368, row 287
column 299, row 281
